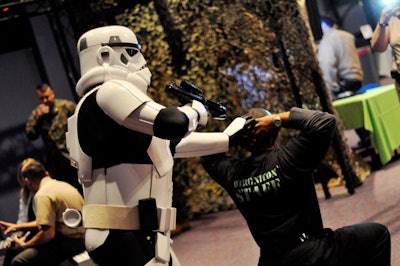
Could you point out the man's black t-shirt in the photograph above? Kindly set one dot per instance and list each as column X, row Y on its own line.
column 274, row 190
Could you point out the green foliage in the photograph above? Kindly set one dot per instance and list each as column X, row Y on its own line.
column 235, row 51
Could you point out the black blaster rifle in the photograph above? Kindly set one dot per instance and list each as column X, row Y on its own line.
column 187, row 92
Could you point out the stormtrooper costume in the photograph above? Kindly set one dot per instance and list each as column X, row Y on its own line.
column 123, row 144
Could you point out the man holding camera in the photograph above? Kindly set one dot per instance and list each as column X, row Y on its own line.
column 387, row 33
column 274, row 190
column 53, row 242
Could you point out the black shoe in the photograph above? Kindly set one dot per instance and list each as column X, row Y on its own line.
column 360, row 145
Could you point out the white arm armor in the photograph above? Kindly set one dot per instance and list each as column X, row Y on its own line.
column 201, row 144
column 196, row 113
column 130, row 107
column 119, row 99
column 236, row 125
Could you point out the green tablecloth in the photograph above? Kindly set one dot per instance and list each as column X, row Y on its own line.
column 378, row 111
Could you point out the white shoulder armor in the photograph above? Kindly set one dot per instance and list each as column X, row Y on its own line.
column 119, row 98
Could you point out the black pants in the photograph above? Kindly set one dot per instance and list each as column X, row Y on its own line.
column 347, row 88
column 350, row 85
column 365, row 137
column 365, row 244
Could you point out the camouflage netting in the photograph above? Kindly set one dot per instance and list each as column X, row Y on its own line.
column 242, row 53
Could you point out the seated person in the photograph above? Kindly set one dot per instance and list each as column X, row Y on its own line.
column 53, row 242
column 25, row 213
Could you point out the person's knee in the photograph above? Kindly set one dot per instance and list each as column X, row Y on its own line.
column 17, row 261
column 382, row 236
column 384, row 231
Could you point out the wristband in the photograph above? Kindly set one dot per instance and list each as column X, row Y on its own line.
column 383, row 25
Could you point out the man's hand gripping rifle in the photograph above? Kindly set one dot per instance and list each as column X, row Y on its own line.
column 187, row 92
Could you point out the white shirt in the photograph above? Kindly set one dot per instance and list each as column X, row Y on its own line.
column 338, row 58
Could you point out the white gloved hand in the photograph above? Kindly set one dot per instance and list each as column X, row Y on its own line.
column 236, row 125
column 201, row 110
column 239, row 130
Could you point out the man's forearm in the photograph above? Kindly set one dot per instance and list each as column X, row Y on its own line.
column 380, row 39
column 40, row 238
column 381, row 36
column 28, row 226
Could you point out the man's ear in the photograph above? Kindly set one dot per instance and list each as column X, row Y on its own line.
column 27, row 181
column 273, row 138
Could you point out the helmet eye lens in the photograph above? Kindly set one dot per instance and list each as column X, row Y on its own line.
column 131, row 51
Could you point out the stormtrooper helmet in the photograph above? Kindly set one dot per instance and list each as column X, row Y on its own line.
column 106, row 53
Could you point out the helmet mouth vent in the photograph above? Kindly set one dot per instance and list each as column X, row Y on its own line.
column 105, row 56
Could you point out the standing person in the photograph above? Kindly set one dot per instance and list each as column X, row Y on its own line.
column 341, row 67
column 123, row 144
column 273, row 189
column 49, row 121
column 387, row 33
column 54, row 242
column 339, row 60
